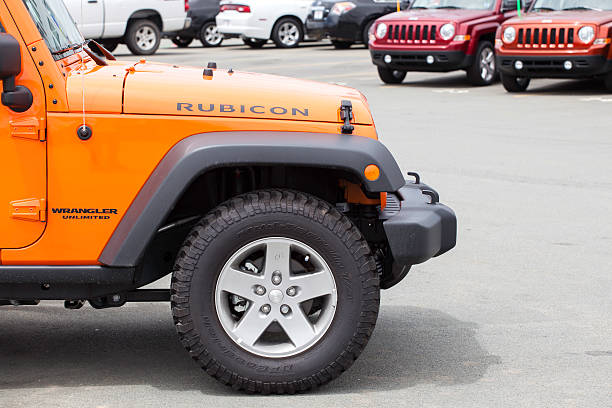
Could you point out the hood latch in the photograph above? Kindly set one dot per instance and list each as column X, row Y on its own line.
column 346, row 114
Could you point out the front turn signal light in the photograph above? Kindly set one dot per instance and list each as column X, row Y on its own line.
column 371, row 172
column 462, row 38
column 602, row 41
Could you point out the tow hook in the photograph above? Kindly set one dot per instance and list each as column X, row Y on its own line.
column 346, row 114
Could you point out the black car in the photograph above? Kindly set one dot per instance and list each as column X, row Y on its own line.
column 203, row 25
column 347, row 22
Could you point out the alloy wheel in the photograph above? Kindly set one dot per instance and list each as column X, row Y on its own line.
column 289, row 34
column 146, row 38
column 276, row 297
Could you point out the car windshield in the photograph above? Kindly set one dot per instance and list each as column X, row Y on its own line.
column 555, row 5
column 55, row 25
column 453, row 4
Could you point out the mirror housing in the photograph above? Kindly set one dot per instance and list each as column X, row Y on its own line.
column 18, row 98
column 10, row 63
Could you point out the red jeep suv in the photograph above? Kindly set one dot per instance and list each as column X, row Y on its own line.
column 556, row 39
column 440, row 36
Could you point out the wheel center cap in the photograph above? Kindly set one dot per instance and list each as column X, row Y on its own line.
column 275, row 296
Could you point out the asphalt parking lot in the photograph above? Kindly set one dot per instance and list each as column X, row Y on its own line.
column 519, row 314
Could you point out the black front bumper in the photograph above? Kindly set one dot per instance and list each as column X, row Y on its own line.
column 552, row 67
column 417, row 226
column 444, row 61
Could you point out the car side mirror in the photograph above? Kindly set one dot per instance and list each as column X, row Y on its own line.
column 18, row 98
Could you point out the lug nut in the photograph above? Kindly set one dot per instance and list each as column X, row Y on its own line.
column 260, row 290
column 265, row 309
column 291, row 291
column 276, row 278
column 285, row 309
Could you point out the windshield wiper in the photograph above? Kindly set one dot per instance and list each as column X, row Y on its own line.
column 418, row 8
column 543, row 9
column 71, row 47
column 581, row 8
column 449, row 7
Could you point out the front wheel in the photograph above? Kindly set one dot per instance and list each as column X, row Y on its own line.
column 391, row 76
column 608, row 81
column 275, row 292
column 341, row 45
column 514, row 84
column 483, row 71
column 287, row 33
column 110, row 45
column 182, row 42
column 143, row 37
column 210, row 35
column 254, row 42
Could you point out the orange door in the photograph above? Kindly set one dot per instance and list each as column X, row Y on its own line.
column 23, row 156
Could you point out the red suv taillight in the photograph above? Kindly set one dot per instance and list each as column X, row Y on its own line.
column 236, row 7
column 186, row 5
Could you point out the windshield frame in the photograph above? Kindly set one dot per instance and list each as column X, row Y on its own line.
column 533, row 8
column 449, row 6
column 56, row 27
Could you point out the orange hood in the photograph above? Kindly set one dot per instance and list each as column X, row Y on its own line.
column 161, row 89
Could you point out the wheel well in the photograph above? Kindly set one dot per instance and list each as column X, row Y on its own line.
column 148, row 14
column 487, row 37
column 216, row 186
column 297, row 19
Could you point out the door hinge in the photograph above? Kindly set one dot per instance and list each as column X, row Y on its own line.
column 28, row 128
column 31, row 209
column 346, row 114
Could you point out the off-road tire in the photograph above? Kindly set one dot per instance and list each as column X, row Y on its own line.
column 254, row 42
column 276, row 34
column 342, row 45
column 204, row 35
column 274, row 213
column 391, row 76
column 131, row 39
column 182, row 42
column 474, row 72
column 514, row 84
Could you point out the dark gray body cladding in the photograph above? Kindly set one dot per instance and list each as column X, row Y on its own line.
column 199, row 153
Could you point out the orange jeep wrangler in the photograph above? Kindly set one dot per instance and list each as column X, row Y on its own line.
column 270, row 201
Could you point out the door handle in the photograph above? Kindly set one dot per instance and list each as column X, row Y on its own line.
column 92, row 1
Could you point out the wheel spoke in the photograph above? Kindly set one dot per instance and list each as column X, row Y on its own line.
column 251, row 326
column 239, row 283
column 278, row 256
column 297, row 327
column 312, row 285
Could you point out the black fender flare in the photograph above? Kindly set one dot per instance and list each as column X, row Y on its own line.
column 202, row 152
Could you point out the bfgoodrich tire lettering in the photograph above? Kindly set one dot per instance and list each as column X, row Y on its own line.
column 251, row 217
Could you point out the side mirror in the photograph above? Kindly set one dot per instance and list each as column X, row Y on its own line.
column 18, row 98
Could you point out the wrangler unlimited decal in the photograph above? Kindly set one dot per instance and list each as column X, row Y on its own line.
column 227, row 108
column 85, row 213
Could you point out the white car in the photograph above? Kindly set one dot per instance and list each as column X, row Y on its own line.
column 136, row 23
column 257, row 21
